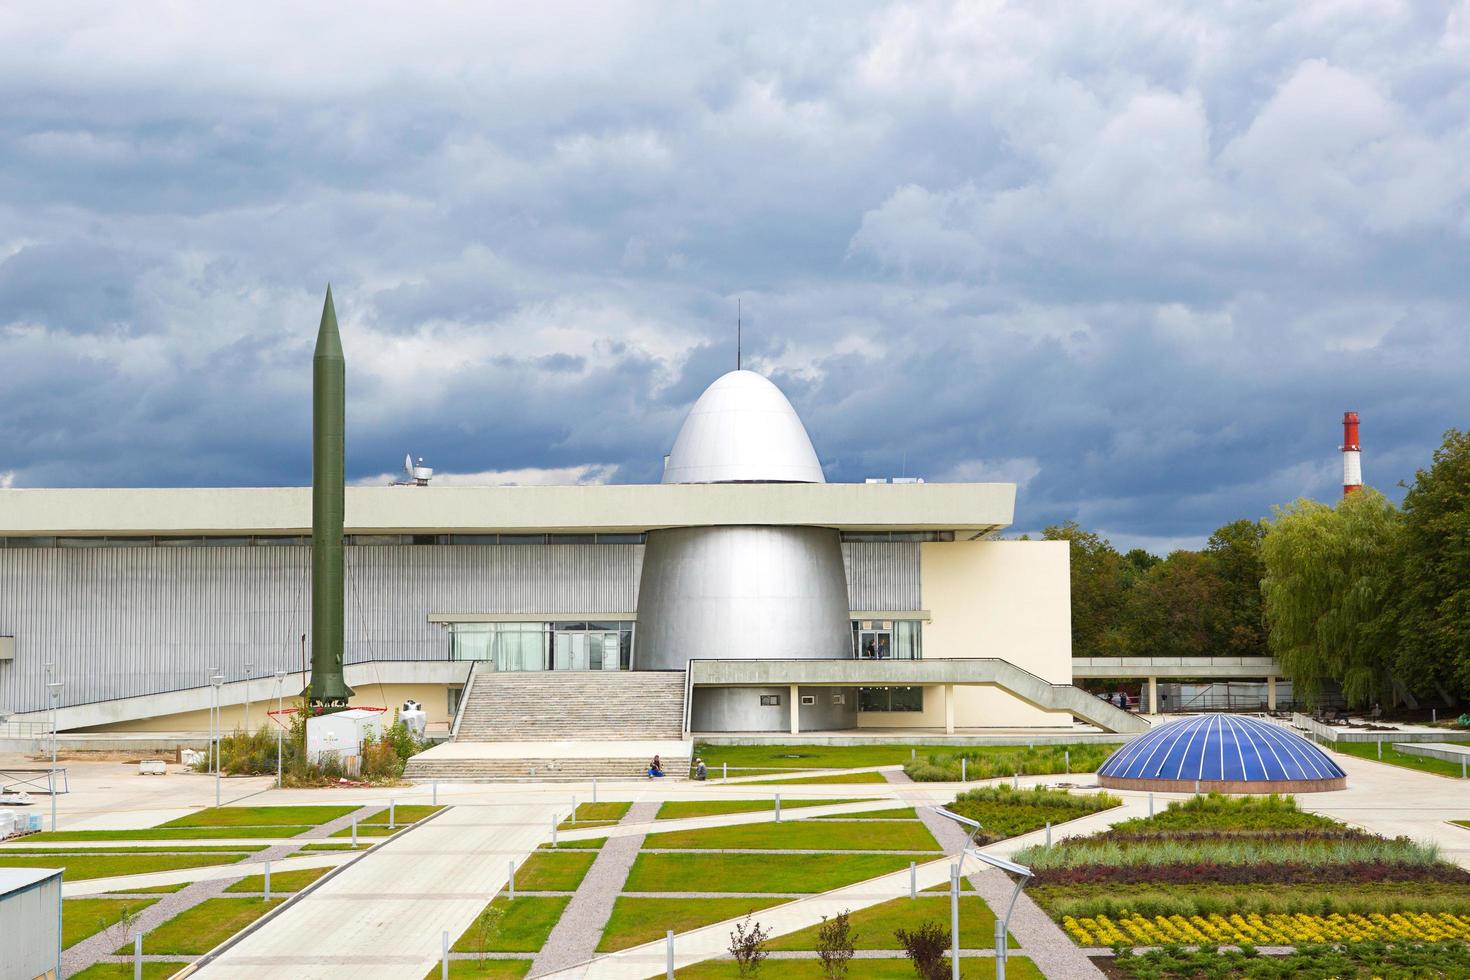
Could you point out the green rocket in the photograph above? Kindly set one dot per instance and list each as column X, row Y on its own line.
column 328, row 421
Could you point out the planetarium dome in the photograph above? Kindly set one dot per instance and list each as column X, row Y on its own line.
column 1223, row 754
column 743, row 430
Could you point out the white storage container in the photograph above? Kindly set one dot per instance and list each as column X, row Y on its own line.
column 341, row 735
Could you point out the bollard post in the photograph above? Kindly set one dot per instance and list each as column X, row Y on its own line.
column 51, row 789
column 510, row 877
column 138, row 956
column 913, row 880
column 913, row 754
column 954, row 921
column 392, row 814
column 778, row 807
column 267, row 881
column 1015, row 780
column 1462, row 767
column 1434, row 716
column 354, row 830
column 1048, row 833
column 1000, row 950
column 1067, row 759
column 553, row 830
column 964, row 770
column 574, row 811
column 1196, row 787
column 1380, row 750
column 726, row 770
column 1150, row 804
column 444, row 945
column 669, row 954
column 594, row 789
column 436, row 793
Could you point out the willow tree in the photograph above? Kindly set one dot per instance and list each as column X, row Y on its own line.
column 1332, row 593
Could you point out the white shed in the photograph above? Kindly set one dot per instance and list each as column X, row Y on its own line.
column 341, row 735
column 30, row 908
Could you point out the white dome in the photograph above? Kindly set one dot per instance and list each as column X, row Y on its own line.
column 743, row 430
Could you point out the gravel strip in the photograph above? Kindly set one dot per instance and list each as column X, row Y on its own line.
column 1040, row 939
column 574, row 938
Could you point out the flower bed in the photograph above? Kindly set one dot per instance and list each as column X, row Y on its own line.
column 1004, row 812
column 1266, row 930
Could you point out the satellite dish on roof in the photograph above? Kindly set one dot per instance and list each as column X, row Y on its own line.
column 417, row 474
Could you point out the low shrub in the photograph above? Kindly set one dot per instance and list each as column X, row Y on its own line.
column 1217, row 812
column 927, row 947
column 1207, row 873
column 254, row 754
column 1225, row 850
column 1355, row 961
column 1005, row 812
column 1211, row 898
column 990, row 762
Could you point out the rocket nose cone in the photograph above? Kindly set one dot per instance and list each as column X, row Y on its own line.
column 328, row 340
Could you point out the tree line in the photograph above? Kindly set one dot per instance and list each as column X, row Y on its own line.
column 1370, row 595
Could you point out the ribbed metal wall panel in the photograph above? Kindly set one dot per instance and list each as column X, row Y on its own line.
column 882, row 574
column 122, row 622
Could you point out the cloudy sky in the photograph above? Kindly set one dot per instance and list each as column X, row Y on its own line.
column 1137, row 260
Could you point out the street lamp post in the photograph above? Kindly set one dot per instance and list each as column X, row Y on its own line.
column 213, row 720
column 249, row 666
column 216, row 681
column 53, row 688
column 280, row 729
column 1019, row 873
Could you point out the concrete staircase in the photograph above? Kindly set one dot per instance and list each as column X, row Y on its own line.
column 568, row 725
column 573, row 705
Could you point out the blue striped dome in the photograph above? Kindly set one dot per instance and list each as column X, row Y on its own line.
column 1229, row 753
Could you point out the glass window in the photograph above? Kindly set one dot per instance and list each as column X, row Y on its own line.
column 890, row 699
column 906, row 634
column 770, row 700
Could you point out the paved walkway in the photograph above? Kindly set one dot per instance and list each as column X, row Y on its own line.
column 384, row 916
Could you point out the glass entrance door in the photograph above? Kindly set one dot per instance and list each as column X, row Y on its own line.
column 875, row 644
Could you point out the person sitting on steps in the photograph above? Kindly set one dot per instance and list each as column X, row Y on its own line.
column 655, row 768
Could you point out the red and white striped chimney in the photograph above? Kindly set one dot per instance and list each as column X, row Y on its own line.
column 1352, row 456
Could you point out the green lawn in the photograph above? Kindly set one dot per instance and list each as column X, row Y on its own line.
column 196, row 931
column 170, row 833
column 591, row 844
column 281, row 881
column 596, row 813
column 261, row 816
column 482, row 970
column 874, row 926
column 62, row 851
column 841, row 777
column 124, row 971
column 680, row 809
column 809, row 756
column 79, row 867
column 756, row 872
column 523, row 929
column 1392, row 756
column 828, row 835
column 83, row 917
column 635, row 921
column 898, row 968
column 554, row 871
column 904, row 813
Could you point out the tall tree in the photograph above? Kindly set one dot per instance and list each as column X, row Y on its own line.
column 1235, row 552
column 1434, row 641
column 1097, row 587
column 1176, row 609
column 1332, row 593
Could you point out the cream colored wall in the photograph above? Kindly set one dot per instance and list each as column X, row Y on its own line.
column 1005, row 599
column 433, row 697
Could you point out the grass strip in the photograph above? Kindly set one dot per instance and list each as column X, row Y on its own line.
column 591, row 844
column 169, row 833
column 635, row 921
column 403, row 814
column 840, row 777
column 1392, row 756
column 89, row 866
column 554, row 871
column 829, row 835
column 902, row 813
column 482, row 970
column 596, row 813
column 875, row 925
column 523, row 926
column 682, row 809
column 124, row 971
column 83, row 917
column 897, row 968
column 804, row 873
column 159, row 889
column 91, row 851
column 261, row 816
column 281, row 881
column 197, row 930
column 991, row 761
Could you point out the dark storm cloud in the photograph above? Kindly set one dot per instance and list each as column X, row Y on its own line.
column 1136, row 260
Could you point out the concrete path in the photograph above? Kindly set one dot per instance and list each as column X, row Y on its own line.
column 577, row 933
column 384, row 915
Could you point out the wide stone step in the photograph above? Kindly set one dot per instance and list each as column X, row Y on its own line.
column 572, row 706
